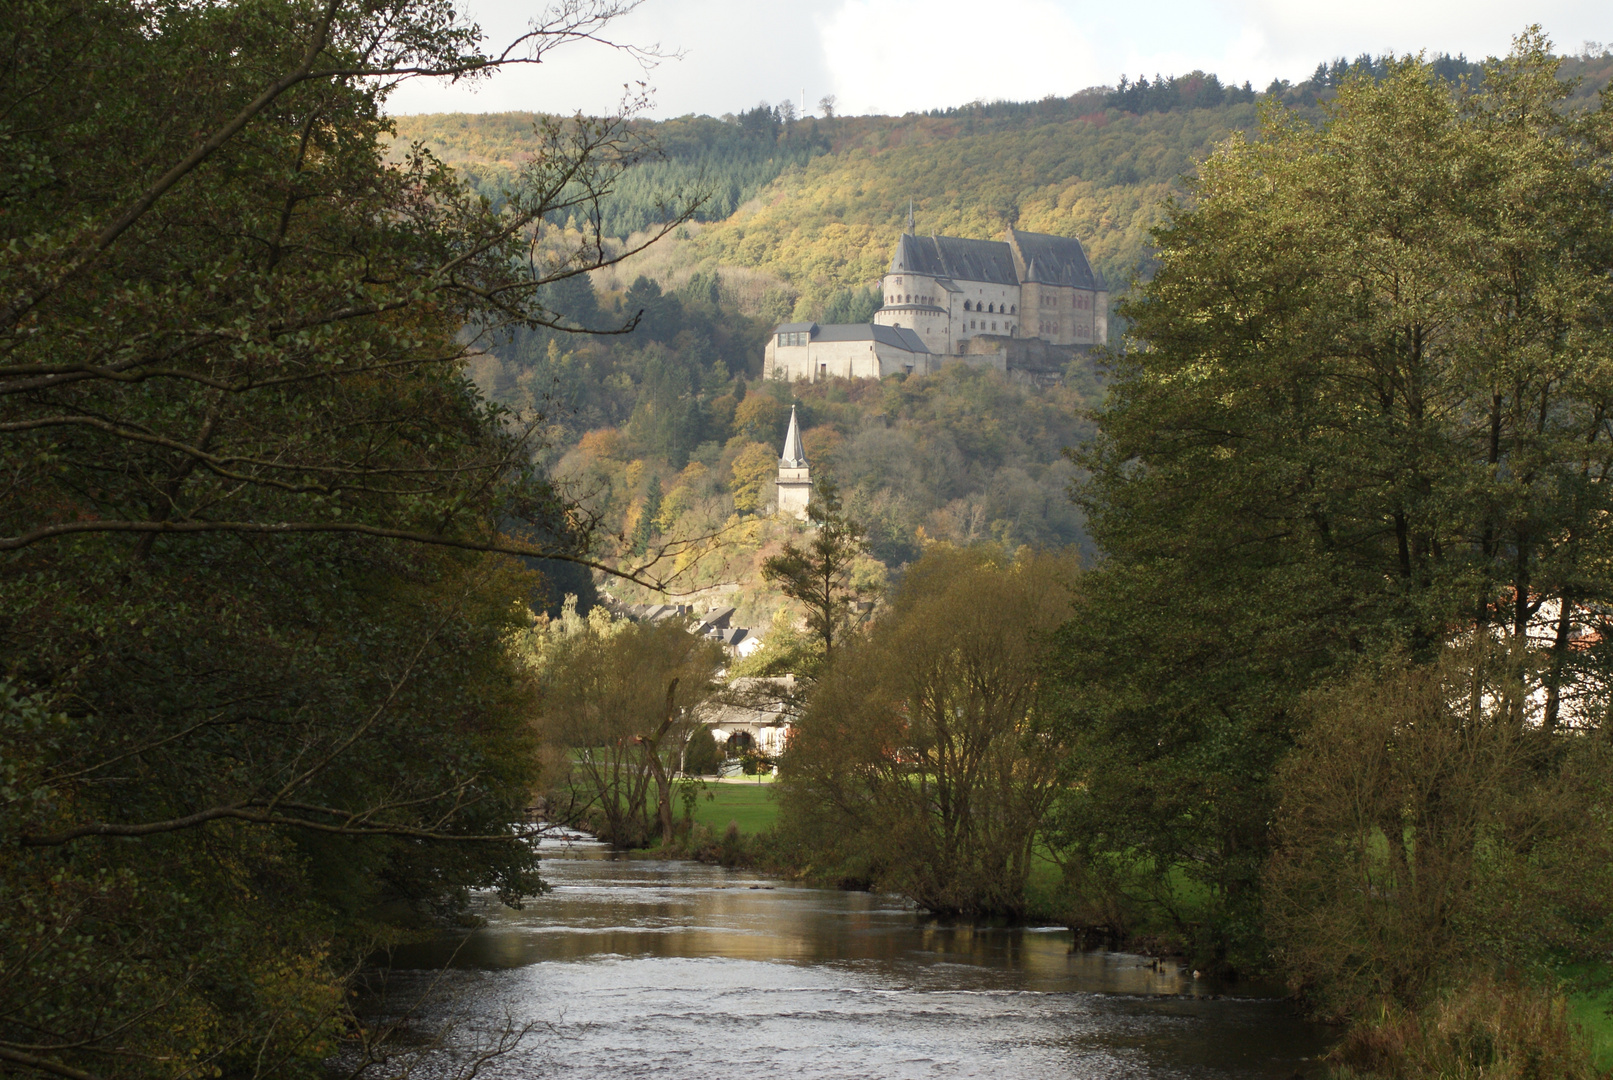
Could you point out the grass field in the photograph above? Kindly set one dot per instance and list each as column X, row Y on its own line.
column 1591, row 1014
column 743, row 801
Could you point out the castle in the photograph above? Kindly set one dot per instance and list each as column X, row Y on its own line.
column 1028, row 301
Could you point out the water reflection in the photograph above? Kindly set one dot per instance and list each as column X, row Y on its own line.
column 674, row 969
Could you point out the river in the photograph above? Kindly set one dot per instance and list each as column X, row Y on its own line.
column 642, row 968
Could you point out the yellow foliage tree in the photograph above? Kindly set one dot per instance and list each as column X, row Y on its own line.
column 753, row 473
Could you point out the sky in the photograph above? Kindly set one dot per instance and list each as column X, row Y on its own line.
column 897, row 56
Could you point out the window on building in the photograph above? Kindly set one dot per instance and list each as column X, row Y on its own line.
column 1013, row 309
column 966, row 305
column 994, row 326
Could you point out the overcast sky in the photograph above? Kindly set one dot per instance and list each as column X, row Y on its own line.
column 895, row 56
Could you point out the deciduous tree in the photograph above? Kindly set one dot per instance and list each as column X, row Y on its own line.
column 256, row 706
column 618, row 707
column 1364, row 409
column 924, row 757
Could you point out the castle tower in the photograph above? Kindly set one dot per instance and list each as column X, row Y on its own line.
column 794, row 478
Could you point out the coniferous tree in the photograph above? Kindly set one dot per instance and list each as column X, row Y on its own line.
column 818, row 574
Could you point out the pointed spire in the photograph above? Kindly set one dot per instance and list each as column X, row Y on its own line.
column 910, row 222
column 794, row 456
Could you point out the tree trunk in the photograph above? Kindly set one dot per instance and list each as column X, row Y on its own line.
column 652, row 751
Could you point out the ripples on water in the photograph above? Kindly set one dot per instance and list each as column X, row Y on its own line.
column 639, row 968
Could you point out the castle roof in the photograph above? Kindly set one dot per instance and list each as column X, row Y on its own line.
column 1024, row 256
column 897, row 337
column 953, row 257
column 794, row 455
column 1053, row 260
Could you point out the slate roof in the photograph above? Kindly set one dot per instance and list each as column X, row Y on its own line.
column 952, row 257
column 1024, row 256
column 794, row 455
column 898, row 337
column 1054, row 260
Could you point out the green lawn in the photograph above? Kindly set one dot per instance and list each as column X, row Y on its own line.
column 1591, row 1013
column 744, row 801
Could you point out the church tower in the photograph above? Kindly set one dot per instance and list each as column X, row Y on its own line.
column 794, row 478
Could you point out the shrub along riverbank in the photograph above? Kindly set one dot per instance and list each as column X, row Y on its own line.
column 735, row 822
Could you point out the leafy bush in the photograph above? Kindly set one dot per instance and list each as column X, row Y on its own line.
column 923, row 754
column 702, row 756
column 1486, row 1031
column 1424, row 837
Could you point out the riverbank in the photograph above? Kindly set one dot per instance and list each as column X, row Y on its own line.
column 668, row 967
column 748, row 804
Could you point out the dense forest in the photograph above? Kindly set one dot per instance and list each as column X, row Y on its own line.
column 669, row 432
column 1278, row 635
column 665, row 398
column 816, row 204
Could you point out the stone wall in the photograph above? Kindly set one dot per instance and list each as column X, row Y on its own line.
column 1028, row 360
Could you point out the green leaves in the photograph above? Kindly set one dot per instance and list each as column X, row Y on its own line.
column 246, row 730
column 1364, row 409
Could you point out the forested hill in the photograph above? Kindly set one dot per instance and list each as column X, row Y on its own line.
column 669, row 430
column 817, row 203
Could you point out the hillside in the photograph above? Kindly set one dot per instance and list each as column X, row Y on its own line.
column 668, row 432
column 804, row 211
column 663, row 440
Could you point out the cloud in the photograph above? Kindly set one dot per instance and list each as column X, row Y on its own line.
column 1290, row 38
column 722, row 56
column 901, row 55
column 909, row 55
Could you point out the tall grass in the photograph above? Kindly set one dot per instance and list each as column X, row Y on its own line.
column 1484, row 1031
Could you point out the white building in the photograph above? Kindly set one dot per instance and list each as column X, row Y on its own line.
column 813, row 351
column 757, row 712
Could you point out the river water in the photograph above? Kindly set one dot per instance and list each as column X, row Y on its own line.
column 641, row 968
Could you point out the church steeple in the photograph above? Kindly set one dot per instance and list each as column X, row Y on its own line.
column 911, row 224
column 794, row 478
column 794, row 456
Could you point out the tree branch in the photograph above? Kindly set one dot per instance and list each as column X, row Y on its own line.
column 55, row 1068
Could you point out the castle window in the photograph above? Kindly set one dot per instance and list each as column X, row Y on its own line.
column 966, row 305
column 1013, row 309
column 994, row 326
